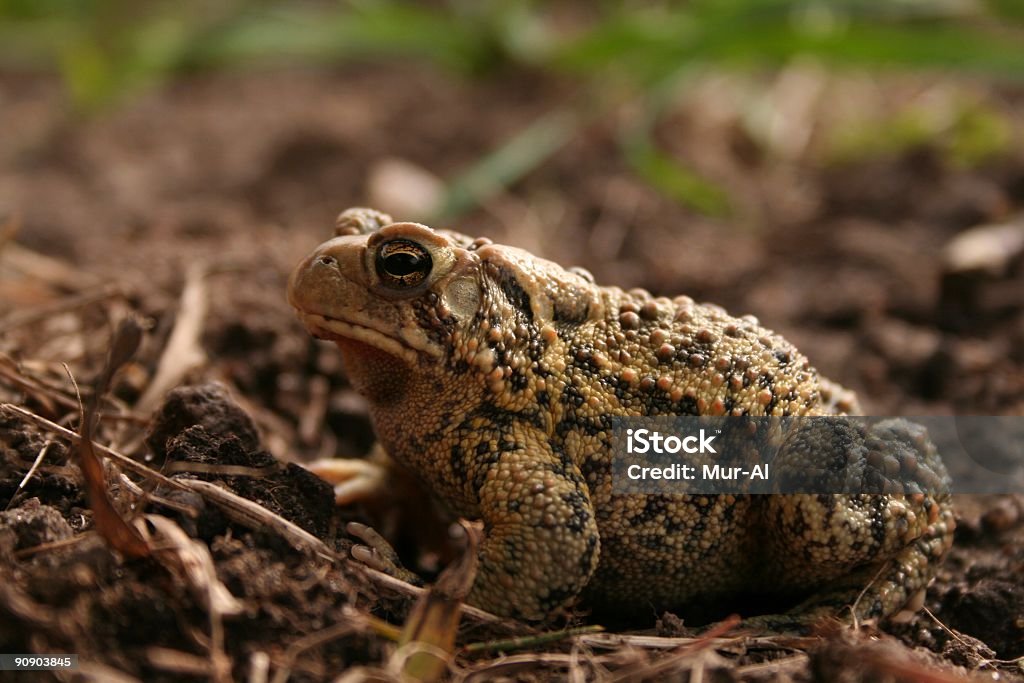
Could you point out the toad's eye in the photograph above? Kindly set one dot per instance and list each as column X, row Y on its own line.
column 403, row 263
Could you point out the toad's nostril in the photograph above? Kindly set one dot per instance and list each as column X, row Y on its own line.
column 326, row 260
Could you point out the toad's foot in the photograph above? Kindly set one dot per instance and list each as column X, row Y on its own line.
column 844, row 606
column 378, row 554
column 358, row 480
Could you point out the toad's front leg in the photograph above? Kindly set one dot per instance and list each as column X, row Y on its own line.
column 542, row 542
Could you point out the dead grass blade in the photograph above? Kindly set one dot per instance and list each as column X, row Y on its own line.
column 102, row 673
column 403, row 588
column 427, row 645
column 777, row 668
column 535, row 640
column 183, row 351
column 690, row 652
column 117, row 533
column 38, row 313
column 614, row 641
column 191, row 560
column 12, row 373
column 54, row 272
column 308, row 642
column 31, row 471
column 508, row 667
column 178, row 662
column 250, row 514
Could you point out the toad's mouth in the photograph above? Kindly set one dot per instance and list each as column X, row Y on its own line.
column 342, row 332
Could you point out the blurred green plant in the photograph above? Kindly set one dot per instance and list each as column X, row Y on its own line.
column 466, row 37
column 966, row 133
column 507, row 164
column 897, row 34
column 107, row 49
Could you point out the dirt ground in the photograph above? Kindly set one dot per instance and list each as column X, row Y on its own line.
column 189, row 205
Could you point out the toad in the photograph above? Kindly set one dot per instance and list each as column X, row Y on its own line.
column 494, row 375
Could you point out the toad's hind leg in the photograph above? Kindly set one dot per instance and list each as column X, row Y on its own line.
column 891, row 588
column 868, row 554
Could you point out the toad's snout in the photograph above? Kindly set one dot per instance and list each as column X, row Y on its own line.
column 322, row 280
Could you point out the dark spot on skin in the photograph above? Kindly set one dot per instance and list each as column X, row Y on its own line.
column 653, row 541
column 577, row 522
column 486, row 456
column 589, row 555
column 827, row 501
column 565, row 426
column 660, row 403
column 496, row 415
column 516, row 295
column 673, row 526
column 878, row 527
column 571, row 395
column 596, row 469
column 558, row 468
column 438, row 329
column 654, row 506
column 457, row 461
column 571, row 309
column 589, row 425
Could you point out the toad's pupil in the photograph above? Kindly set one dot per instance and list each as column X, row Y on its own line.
column 403, row 263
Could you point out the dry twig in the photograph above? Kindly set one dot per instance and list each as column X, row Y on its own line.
column 183, row 351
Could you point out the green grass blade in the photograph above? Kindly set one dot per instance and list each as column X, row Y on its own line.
column 507, row 164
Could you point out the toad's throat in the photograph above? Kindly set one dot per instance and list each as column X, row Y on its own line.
column 341, row 331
